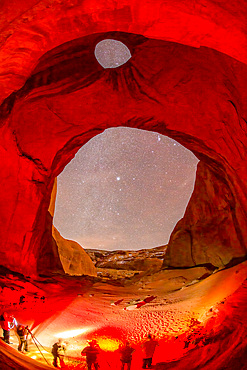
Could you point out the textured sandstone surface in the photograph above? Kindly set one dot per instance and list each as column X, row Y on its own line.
column 41, row 26
column 196, row 96
column 209, row 227
column 74, row 260
column 196, row 322
column 140, row 260
column 181, row 81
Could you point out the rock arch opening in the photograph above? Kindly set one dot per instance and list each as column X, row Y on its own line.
column 125, row 189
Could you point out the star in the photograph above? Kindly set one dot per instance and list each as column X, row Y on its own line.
column 158, row 180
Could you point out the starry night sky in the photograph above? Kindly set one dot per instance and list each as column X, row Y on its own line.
column 125, row 189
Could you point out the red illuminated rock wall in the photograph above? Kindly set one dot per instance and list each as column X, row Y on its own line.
column 29, row 29
column 209, row 230
column 54, row 105
column 196, row 96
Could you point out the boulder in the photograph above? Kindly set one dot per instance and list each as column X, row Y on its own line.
column 196, row 96
column 209, row 228
column 73, row 258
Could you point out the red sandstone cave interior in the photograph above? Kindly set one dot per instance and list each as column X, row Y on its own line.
column 186, row 79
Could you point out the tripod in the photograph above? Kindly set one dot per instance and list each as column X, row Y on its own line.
column 36, row 342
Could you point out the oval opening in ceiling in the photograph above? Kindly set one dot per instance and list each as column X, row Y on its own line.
column 111, row 53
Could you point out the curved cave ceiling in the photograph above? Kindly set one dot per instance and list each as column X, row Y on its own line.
column 193, row 95
column 186, row 79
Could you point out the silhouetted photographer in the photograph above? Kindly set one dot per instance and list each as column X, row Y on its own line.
column 22, row 334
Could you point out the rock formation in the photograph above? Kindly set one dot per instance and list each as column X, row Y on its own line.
column 210, row 227
column 74, row 260
column 196, row 96
column 186, row 79
column 141, row 260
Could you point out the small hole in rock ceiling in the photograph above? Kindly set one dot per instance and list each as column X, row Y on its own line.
column 111, row 53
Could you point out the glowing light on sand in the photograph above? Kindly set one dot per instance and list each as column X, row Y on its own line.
column 108, row 344
column 76, row 347
column 71, row 333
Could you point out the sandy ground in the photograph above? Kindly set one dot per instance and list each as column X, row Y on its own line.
column 182, row 302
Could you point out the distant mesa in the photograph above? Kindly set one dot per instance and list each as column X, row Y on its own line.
column 141, row 260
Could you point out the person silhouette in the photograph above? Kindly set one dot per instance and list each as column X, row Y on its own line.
column 58, row 350
column 126, row 355
column 22, row 334
column 91, row 352
column 8, row 322
column 148, row 348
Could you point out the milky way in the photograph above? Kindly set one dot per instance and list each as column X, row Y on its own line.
column 125, row 189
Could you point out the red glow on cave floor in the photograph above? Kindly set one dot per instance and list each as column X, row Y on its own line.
column 188, row 322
